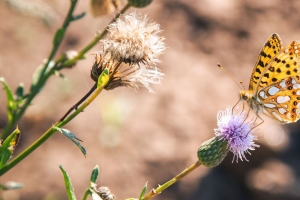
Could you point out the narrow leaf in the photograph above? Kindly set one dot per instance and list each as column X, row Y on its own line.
column 69, row 187
column 77, row 17
column 72, row 137
column 95, row 174
column 11, row 104
column 8, row 146
column 143, row 192
column 11, row 185
column 36, row 77
column 103, row 78
column 58, row 36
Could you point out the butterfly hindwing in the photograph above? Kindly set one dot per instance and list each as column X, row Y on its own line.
column 281, row 100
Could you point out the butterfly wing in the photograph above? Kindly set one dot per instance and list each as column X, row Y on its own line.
column 281, row 100
column 285, row 64
column 268, row 51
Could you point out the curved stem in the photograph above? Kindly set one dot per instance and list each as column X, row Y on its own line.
column 79, row 102
column 86, row 194
column 94, row 41
column 161, row 188
column 43, row 78
column 49, row 133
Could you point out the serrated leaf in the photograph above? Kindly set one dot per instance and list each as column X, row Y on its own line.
column 11, row 185
column 77, row 17
column 8, row 146
column 103, row 78
column 11, row 104
column 143, row 192
column 95, row 174
column 72, row 137
column 68, row 184
column 58, row 36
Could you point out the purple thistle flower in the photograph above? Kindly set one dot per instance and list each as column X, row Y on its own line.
column 238, row 133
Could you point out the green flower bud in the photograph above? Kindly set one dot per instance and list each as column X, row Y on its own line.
column 212, row 152
column 139, row 3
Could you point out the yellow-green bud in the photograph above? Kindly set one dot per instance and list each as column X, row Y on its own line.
column 139, row 3
column 212, row 152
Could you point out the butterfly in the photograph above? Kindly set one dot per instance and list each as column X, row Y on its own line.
column 275, row 83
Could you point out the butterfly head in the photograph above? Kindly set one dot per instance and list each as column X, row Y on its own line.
column 245, row 95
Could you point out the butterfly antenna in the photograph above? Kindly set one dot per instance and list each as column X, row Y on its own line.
column 230, row 76
column 241, row 82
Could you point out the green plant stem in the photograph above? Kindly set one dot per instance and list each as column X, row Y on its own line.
column 86, row 194
column 43, row 78
column 161, row 188
column 94, row 41
column 49, row 133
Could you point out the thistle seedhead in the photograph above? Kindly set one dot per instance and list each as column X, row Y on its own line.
column 130, row 53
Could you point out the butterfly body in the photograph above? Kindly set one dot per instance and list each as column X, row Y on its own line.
column 275, row 81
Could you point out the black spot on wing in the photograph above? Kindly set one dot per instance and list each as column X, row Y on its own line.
column 266, row 75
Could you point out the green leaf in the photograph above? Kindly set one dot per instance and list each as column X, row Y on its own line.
column 11, row 185
column 95, row 174
column 72, row 137
column 69, row 187
column 11, row 104
column 58, row 36
column 8, row 146
column 143, row 192
column 103, row 78
column 35, row 78
column 77, row 17
column 20, row 92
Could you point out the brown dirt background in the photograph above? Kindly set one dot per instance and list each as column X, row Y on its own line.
column 135, row 136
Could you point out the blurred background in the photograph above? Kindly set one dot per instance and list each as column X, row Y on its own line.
column 136, row 136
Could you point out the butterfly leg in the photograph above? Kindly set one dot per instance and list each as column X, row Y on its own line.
column 236, row 105
column 262, row 121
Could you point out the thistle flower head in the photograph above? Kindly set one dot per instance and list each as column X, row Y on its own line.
column 237, row 132
column 134, row 40
column 130, row 53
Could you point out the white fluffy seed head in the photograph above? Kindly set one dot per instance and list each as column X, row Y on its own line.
column 133, row 40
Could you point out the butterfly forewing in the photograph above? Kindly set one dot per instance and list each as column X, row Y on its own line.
column 284, row 65
column 268, row 51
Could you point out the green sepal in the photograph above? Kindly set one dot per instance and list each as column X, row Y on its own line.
column 58, row 36
column 94, row 175
column 68, row 184
column 11, row 103
column 72, row 137
column 11, row 186
column 8, row 146
column 103, row 78
column 143, row 192
column 77, row 17
column 212, row 152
